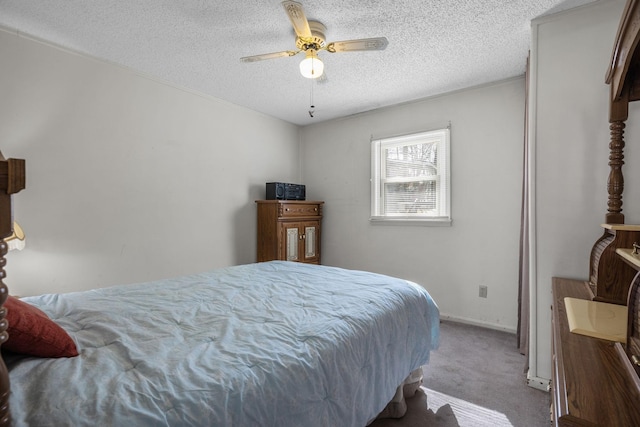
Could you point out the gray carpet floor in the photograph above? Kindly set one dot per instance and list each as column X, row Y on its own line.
column 476, row 378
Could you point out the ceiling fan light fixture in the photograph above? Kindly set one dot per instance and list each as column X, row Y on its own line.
column 311, row 67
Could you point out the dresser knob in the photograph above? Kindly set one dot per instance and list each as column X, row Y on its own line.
column 635, row 359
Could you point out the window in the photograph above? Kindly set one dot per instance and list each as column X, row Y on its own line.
column 410, row 178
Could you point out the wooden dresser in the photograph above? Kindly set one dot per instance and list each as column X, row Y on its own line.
column 593, row 383
column 289, row 230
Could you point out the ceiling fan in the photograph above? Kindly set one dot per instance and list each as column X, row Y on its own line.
column 310, row 39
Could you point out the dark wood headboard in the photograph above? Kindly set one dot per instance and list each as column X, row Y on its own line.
column 12, row 180
column 623, row 78
column 609, row 276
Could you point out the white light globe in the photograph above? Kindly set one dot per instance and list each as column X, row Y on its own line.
column 311, row 67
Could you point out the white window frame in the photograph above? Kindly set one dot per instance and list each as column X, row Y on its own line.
column 442, row 214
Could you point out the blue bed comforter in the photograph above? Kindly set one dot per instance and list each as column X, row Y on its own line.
column 268, row 344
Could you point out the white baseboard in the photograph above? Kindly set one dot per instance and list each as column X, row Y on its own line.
column 480, row 323
column 538, row 383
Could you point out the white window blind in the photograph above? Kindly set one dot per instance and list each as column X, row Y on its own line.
column 410, row 178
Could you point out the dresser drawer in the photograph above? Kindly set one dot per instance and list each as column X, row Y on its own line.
column 296, row 210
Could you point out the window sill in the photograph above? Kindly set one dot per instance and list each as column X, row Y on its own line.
column 427, row 222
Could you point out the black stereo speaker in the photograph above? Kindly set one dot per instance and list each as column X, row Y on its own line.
column 285, row 191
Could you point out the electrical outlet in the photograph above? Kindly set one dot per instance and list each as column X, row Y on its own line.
column 483, row 291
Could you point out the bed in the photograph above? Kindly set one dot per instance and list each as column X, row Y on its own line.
column 274, row 344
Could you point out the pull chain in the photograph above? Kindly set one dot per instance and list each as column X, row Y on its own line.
column 311, row 106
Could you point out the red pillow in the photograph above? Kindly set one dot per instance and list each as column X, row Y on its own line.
column 32, row 332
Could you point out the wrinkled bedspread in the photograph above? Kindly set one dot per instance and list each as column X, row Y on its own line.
column 268, row 344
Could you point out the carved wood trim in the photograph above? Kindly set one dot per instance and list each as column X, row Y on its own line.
column 5, row 412
column 611, row 276
column 615, row 183
column 12, row 180
column 623, row 77
column 624, row 49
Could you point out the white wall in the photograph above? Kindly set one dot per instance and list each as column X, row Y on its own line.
column 481, row 246
column 570, row 55
column 128, row 178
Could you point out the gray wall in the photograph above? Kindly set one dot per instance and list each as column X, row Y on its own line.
column 570, row 55
column 481, row 245
column 128, row 178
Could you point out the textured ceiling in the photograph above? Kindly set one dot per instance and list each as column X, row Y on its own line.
column 434, row 46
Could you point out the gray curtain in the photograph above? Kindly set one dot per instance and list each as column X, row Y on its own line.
column 523, row 283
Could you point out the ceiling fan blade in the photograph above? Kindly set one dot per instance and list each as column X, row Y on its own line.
column 375, row 43
column 298, row 20
column 273, row 55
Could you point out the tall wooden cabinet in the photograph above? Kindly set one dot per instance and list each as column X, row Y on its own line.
column 289, row 230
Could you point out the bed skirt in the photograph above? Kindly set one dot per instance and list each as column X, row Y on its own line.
column 397, row 407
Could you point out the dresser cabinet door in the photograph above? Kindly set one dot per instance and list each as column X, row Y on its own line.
column 310, row 240
column 292, row 239
column 302, row 241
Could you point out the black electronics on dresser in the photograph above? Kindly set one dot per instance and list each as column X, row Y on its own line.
column 285, row 191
